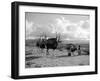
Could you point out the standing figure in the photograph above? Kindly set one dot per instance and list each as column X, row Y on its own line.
column 79, row 50
column 41, row 43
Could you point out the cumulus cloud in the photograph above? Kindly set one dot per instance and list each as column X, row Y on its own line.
column 34, row 30
column 69, row 30
column 29, row 27
column 78, row 30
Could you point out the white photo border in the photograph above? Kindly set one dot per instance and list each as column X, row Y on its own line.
column 53, row 70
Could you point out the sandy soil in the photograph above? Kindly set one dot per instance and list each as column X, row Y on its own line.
column 38, row 59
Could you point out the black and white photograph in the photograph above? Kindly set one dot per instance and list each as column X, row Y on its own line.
column 54, row 40
column 51, row 40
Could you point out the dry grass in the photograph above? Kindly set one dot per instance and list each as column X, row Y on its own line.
column 36, row 58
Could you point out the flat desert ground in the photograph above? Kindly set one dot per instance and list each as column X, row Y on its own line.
column 36, row 58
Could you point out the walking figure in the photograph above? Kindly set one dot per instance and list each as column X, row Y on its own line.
column 79, row 50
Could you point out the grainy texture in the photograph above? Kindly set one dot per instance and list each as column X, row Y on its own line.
column 35, row 58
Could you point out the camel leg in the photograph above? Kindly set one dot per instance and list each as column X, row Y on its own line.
column 47, row 53
column 69, row 53
column 72, row 53
column 53, row 53
column 41, row 50
column 38, row 50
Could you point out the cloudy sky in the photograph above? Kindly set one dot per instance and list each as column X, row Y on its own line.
column 70, row 26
